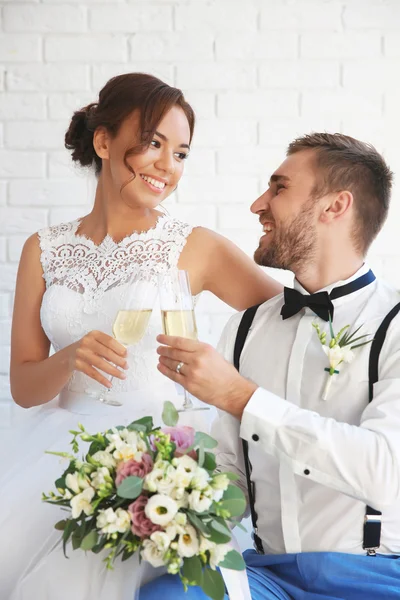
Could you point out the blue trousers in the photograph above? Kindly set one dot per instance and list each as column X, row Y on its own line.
column 305, row 576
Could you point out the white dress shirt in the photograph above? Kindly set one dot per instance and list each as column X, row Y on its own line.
column 318, row 463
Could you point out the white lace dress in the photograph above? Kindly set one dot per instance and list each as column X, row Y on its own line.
column 83, row 284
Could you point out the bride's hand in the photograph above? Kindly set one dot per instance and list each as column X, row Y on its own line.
column 99, row 351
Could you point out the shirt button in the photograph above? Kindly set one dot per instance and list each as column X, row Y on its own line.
column 306, row 471
column 255, row 437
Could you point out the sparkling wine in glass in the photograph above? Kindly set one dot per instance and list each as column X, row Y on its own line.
column 177, row 314
column 131, row 321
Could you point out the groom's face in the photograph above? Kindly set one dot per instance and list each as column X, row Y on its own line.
column 289, row 215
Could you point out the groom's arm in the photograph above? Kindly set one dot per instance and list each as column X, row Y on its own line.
column 360, row 461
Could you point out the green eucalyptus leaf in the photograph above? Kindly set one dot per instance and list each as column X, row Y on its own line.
column 209, row 461
column 200, row 456
column 218, row 524
column 90, row 540
column 130, row 488
column 192, row 570
column 231, row 476
column 202, row 439
column 169, row 415
column 60, row 525
column 198, row 523
column 233, row 560
column 69, row 528
column 217, row 537
column 213, row 584
column 233, row 501
column 143, row 424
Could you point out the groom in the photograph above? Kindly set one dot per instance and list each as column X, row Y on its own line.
column 321, row 437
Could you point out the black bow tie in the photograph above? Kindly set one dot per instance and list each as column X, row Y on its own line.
column 321, row 302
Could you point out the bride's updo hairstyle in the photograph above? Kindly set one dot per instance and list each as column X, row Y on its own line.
column 118, row 99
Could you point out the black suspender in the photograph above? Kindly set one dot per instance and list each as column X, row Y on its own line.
column 372, row 521
column 241, row 336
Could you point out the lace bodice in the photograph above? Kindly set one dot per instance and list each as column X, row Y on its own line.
column 83, row 286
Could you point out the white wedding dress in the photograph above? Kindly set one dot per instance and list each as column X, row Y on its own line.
column 83, row 287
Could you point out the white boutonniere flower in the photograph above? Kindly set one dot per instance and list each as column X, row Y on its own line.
column 339, row 350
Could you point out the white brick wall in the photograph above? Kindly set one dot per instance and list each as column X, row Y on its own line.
column 258, row 73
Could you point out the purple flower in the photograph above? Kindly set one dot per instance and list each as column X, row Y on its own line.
column 183, row 438
column 141, row 525
column 133, row 467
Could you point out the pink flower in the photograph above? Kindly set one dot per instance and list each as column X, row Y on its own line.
column 133, row 467
column 183, row 438
column 141, row 525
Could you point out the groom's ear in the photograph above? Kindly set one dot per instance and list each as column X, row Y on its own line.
column 100, row 142
column 338, row 206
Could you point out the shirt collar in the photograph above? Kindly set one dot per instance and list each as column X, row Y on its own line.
column 361, row 271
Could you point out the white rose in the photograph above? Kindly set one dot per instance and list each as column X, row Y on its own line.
column 217, row 554
column 160, row 480
column 105, row 459
column 99, row 477
column 109, row 521
column 186, row 464
column 182, row 478
column 188, row 543
column 198, row 502
column 152, row 554
column 161, row 509
column 200, row 479
column 181, row 497
column 81, row 502
column 161, row 540
column 76, row 482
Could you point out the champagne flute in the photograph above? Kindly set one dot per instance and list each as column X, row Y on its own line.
column 132, row 319
column 177, row 314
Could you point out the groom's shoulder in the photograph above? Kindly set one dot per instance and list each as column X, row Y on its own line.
column 264, row 311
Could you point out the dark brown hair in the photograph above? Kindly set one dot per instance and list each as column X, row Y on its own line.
column 344, row 163
column 117, row 100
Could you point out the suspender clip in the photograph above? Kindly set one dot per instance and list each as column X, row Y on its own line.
column 372, row 551
column 373, row 519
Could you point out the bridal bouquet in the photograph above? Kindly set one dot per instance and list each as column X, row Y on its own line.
column 154, row 491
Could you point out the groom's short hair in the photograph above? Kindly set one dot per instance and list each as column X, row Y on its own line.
column 344, row 163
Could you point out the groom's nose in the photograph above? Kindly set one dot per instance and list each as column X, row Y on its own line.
column 261, row 204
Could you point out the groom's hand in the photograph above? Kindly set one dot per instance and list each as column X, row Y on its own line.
column 204, row 373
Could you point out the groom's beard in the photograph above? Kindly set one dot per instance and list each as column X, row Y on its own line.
column 293, row 246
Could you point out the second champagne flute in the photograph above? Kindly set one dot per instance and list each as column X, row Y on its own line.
column 177, row 312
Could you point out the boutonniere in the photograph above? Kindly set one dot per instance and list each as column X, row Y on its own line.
column 339, row 350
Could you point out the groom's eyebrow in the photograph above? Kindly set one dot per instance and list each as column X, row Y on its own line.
column 163, row 137
column 276, row 177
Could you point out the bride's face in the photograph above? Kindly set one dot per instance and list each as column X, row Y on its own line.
column 157, row 170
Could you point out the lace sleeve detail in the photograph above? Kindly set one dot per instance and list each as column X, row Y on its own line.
column 179, row 233
column 49, row 239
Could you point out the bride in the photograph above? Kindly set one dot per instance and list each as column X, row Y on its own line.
column 137, row 138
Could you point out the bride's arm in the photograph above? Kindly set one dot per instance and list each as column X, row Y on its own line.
column 219, row 266
column 35, row 377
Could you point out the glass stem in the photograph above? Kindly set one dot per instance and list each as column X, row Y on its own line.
column 187, row 403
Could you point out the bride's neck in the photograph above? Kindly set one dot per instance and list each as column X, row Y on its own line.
column 112, row 216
